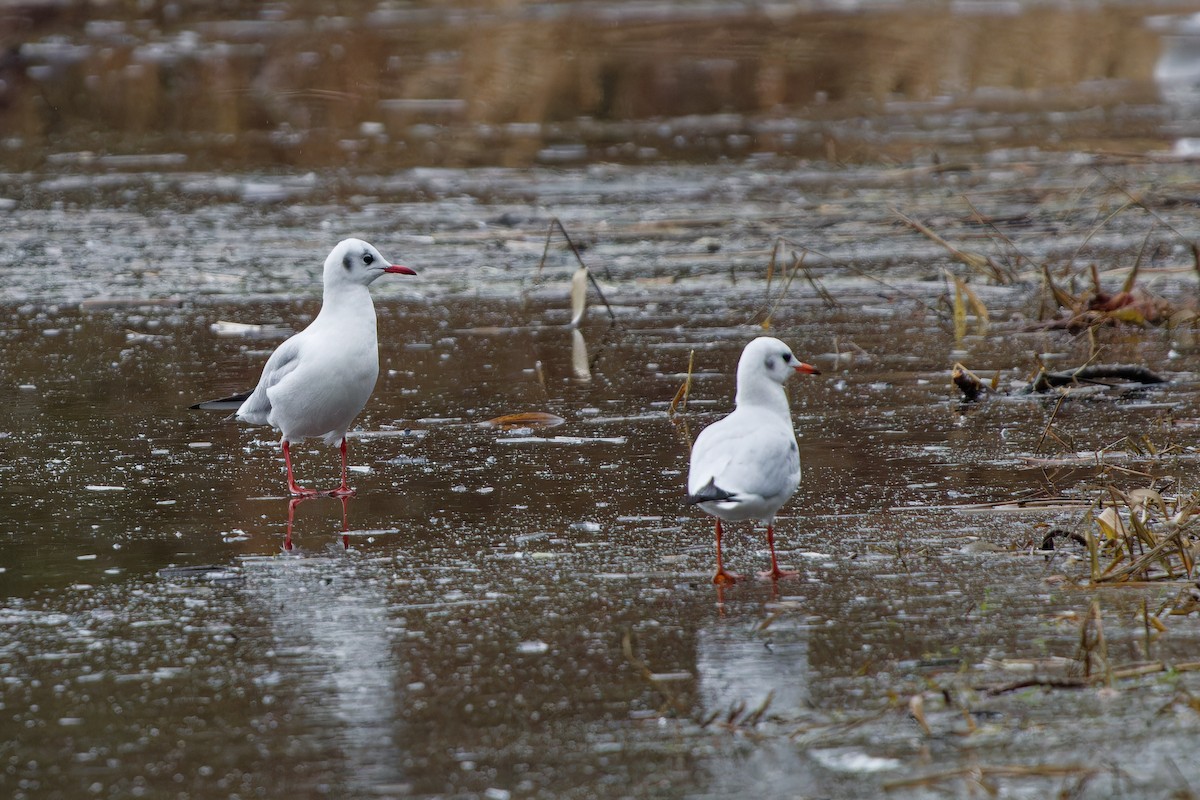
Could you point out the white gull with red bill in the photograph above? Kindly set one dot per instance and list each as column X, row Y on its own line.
column 317, row 382
column 747, row 465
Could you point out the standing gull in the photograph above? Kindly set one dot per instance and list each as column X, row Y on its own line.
column 747, row 465
column 318, row 381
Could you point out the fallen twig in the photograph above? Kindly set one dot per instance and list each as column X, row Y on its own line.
column 1094, row 374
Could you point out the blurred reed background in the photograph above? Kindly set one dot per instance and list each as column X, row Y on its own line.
column 513, row 82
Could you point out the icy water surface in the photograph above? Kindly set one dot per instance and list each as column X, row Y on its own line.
column 528, row 613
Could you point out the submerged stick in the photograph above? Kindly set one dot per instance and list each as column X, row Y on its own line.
column 1121, row 673
column 984, row 265
column 1097, row 374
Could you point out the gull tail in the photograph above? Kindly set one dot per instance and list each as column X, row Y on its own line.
column 711, row 493
column 232, row 403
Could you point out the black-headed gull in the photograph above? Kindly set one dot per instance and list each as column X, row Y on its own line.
column 318, row 381
column 747, row 465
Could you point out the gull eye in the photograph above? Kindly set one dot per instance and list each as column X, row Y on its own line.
column 787, row 357
column 368, row 258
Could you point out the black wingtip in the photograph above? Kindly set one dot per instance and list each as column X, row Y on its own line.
column 224, row 404
column 710, row 493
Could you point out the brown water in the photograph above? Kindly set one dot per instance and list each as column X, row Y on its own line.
column 459, row 628
column 389, row 85
column 529, row 613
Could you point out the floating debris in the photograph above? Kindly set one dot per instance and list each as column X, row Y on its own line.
column 526, row 419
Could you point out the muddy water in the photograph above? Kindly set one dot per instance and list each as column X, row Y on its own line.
column 528, row 613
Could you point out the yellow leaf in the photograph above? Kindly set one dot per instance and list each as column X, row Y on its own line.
column 1110, row 524
column 1128, row 314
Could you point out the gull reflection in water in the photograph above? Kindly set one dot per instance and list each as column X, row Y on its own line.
column 334, row 637
column 749, row 672
column 291, row 520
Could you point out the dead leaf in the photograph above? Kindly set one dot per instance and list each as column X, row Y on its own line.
column 579, row 287
column 525, row 419
column 1110, row 524
column 916, row 707
column 579, row 357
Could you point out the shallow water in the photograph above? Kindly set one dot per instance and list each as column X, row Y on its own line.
column 529, row 612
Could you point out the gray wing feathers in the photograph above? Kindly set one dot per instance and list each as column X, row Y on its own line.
column 744, row 463
column 257, row 408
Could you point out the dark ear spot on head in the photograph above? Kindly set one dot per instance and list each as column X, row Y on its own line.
column 770, row 362
column 347, row 261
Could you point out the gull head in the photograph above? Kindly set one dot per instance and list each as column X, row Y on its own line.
column 767, row 357
column 356, row 261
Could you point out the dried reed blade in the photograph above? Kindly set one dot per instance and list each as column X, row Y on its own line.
column 579, row 286
column 971, row 298
column 1097, row 228
column 1061, row 296
column 916, row 707
column 771, row 270
column 1137, row 201
column 675, row 401
column 1131, row 278
column 556, row 223
column 1011, row 273
column 1101, row 645
column 1143, row 561
column 541, row 377
column 960, row 314
column 757, row 714
column 828, row 299
column 797, row 262
column 1092, row 545
column 1050, row 422
column 981, row 264
column 687, row 384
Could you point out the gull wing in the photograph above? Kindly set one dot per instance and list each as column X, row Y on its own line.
column 257, row 407
column 747, row 463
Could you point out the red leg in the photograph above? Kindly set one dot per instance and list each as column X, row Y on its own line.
column 344, row 490
column 723, row 577
column 296, row 490
column 775, row 573
column 287, row 539
column 345, row 521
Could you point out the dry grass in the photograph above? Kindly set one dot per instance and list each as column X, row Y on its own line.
column 1141, row 536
